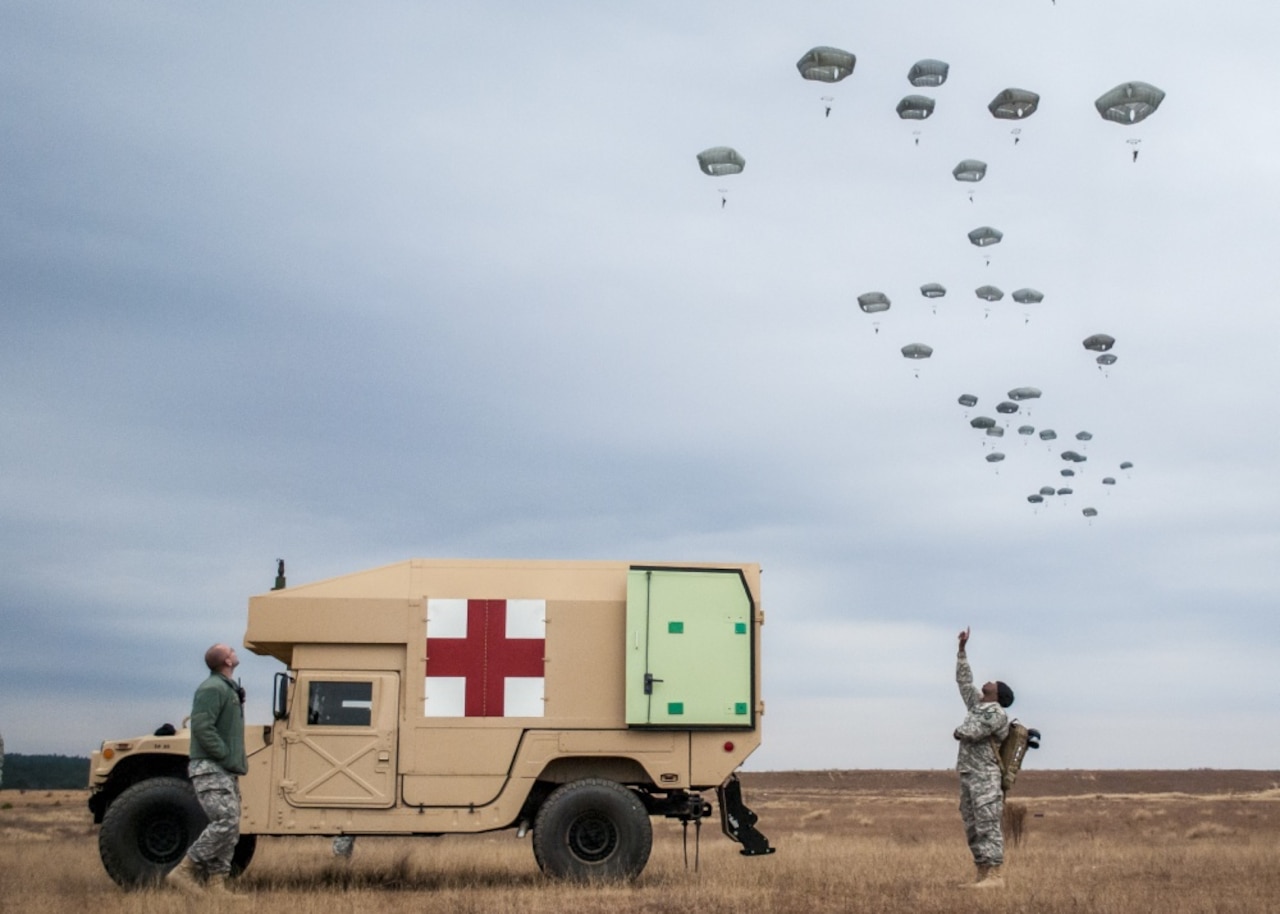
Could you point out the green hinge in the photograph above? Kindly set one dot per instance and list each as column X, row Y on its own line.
column 739, row 628
column 675, row 628
column 675, row 707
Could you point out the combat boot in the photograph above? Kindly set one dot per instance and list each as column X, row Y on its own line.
column 185, row 877
column 220, row 886
column 992, row 880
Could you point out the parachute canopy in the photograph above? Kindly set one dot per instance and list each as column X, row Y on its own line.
column 970, row 170
column 1036, row 499
column 872, row 302
column 1024, row 393
column 721, row 160
column 828, row 65
column 1074, row 457
column 988, row 293
column 1099, row 342
column 1065, row 491
column 1026, row 429
column 984, row 235
column 996, row 431
column 1047, row 434
column 982, row 422
column 1107, row 358
column 967, row 400
column 1090, row 512
column 1047, row 490
column 1108, row 480
column 1013, row 104
column 1028, row 296
column 933, row 290
column 1126, row 465
column 928, row 72
column 1129, row 103
column 917, row 351
column 915, row 107
column 1084, row 436
column 994, row 457
column 1007, row 407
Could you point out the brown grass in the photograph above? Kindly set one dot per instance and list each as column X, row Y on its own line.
column 847, row 841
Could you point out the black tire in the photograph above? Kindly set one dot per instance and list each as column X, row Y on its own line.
column 592, row 830
column 148, row 828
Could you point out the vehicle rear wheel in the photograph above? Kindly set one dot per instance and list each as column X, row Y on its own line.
column 593, row 829
column 148, row 828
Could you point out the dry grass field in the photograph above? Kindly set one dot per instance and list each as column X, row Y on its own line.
column 1128, row 842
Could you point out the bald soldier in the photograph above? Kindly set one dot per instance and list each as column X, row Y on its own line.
column 981, row 794
column 217, row 761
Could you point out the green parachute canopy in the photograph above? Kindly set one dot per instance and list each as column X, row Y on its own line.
column 984, row 235
column 828, row 65
column 970, row 170
column 1014, row 104
column 915, row 107
column 1129, row 103
column 721, row 160
column 928, row 72
column 873, row 302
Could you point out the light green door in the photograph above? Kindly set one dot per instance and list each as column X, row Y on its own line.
column 689, row 648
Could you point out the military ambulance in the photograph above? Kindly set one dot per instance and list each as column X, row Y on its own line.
column 567, row 700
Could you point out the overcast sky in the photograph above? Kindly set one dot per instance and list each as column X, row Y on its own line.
column 353, row 283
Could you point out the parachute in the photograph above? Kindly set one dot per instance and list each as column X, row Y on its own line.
column 1047, row 434
column 1036, row 499
column 1066, row 490
column 1129, row 103
column 967, row 400
column 988, row 293
column 1074, row 457
column 1007, row 407
column 1099, row 342
column 828, row 65
column 1126, row 465
column 996, row 431
column 1014, row 104
column 1084, row 436
column 1026, row 429
column 917, row 351
column 1024, row 393
column 972, row 170
column 933, row 290
column 984, row 235
column 982, row 421
column 1107, row 358
column 915, row 107
column 1067, row 471
column 1090, row 512
column 1028, row 296
column 1048, row 490
column 994, row 457
column 1108, row 480
column 873, row 302
column 721, row 160
column 928, row 72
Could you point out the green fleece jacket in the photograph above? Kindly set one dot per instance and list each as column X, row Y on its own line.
column 217, row 725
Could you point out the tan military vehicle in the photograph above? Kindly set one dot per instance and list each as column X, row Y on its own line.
column 572, row 700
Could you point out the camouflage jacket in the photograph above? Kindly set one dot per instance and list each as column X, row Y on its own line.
column 984, row 720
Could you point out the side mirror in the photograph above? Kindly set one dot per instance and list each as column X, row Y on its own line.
column 280, row 704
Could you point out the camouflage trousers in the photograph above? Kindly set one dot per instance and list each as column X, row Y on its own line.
column 219, row 796
column 981, row 810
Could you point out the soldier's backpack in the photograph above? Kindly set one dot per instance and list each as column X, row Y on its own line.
column 1011, row 752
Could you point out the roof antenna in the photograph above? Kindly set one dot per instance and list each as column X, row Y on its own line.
column 279, row 575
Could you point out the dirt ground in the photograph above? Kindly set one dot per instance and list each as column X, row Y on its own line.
column 1032, row 783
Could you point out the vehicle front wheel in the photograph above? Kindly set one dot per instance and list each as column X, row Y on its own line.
column 593, row 829
column 148, row 828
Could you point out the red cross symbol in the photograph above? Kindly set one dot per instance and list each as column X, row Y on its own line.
column 485, row 657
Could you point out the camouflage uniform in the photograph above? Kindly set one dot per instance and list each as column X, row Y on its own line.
column 217, row 758
column 981, row 797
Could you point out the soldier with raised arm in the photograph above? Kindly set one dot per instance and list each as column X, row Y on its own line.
column 981, row 795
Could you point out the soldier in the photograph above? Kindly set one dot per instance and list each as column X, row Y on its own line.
column 981, row 795
column 217, row 760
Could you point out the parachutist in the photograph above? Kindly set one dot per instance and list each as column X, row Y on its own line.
column 1135, row 155
column 723, row 201
column 1016, row 140
column 828, row 114
column 917, row 141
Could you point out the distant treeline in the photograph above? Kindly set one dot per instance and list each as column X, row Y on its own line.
column 45, row 772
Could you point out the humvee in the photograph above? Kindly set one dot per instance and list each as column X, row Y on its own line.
column 567, row 700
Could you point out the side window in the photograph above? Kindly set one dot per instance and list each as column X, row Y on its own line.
column 340, row 704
